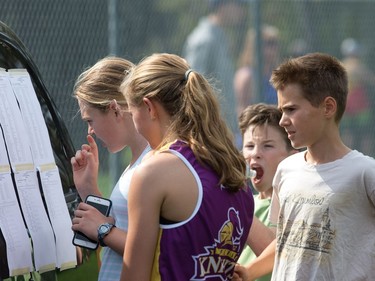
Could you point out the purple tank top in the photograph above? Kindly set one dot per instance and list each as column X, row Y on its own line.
column 208, row 244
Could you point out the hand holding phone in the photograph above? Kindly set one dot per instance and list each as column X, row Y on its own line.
column 104, row 206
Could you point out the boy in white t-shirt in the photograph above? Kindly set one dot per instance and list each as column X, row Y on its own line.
column 324, row 198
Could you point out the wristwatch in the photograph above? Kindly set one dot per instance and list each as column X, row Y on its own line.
column 103, row 230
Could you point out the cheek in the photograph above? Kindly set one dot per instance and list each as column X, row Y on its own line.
column 271, row 164
column 136, row 120
column 274, row 159
column 246, row 153
column 103, row 132
column 104, row 129
column 94, row 127
column 137, row 123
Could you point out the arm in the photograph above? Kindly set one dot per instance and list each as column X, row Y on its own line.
column 145, row 200
column 260, row 236
column 242, row 88
column 85, row 166
column 261, row 266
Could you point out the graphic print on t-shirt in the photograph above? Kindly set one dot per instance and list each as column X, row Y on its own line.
column 299, row 232
column 221, row 256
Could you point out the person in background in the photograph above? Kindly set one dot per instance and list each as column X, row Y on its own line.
column 190, row 210
column 298, row 47
column 207, row 50
column 324, row 196
column 265, row 145
column 357, row 123
column 245, row 76
column 105, row 110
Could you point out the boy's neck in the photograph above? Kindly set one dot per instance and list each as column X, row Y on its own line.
column 265, row 194
column 329, row 154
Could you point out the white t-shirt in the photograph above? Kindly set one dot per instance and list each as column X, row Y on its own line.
column 325, row 217
column 111, row 264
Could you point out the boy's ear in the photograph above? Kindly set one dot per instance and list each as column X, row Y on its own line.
column 330, row 107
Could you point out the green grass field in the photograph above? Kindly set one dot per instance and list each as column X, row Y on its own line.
column 87, row 271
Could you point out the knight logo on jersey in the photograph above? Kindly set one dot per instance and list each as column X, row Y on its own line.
column 220, row 258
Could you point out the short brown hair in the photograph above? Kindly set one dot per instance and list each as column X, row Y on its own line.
column 319, row 75
column 263, row 114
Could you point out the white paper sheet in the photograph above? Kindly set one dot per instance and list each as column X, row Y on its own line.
column 36, row 219
column 12, row 124
column 43, row 158
column 16, row 139
column 11, row 222
column 33, row 120
column 60, row 218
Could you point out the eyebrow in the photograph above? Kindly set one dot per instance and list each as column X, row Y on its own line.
column 267, row 141
column 281, row 108
column 85, row 118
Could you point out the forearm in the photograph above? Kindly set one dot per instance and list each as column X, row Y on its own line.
column 263, row 264
column 116, row 240
column 88, row 190
column 260, row 236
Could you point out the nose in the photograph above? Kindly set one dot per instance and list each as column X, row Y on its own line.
column 90, row 130
column 283, row 120
column 256, row 152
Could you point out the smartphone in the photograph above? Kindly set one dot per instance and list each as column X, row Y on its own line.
column 104, row 206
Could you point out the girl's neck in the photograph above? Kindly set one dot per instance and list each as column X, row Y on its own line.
column 137, row 150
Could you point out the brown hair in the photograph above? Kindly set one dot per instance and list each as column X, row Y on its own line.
column 194, row 108
column 319, row 76
column 262, row 114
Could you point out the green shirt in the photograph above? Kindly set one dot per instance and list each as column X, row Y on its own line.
column 261, row 212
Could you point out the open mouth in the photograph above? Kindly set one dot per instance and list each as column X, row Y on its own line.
column 259, row 173
column 250, row 173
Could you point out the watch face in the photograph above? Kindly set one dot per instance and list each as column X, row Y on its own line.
column 104, row 228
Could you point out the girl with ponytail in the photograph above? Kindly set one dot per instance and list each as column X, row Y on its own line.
column 181, row 195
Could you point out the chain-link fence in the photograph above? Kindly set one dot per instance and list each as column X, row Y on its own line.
column 67, row 36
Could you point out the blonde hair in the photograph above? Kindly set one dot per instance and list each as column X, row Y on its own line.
column 194, row 109
column 100, row 84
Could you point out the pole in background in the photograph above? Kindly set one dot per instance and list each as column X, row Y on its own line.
column 258, row 71
column 114, row 161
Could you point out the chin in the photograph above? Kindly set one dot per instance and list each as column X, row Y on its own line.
column 296, row 145
column 113, row 150
column 116, row 149
column 299, row 146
